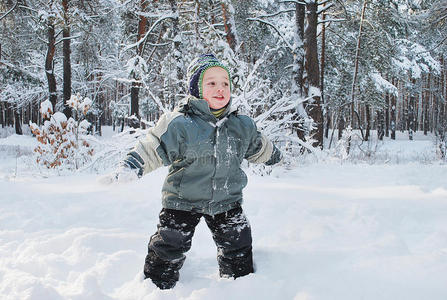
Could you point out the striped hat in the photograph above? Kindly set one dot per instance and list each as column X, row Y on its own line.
column 197, row 69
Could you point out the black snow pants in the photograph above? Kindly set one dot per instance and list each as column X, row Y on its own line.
column 231, row 233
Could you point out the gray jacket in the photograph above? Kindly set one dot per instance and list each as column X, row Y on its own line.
column 204, row 155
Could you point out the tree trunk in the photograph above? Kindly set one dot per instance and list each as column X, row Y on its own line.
column 356, row 64
column 328, row 124
column 411, row 112
column 6, row 112
column 196, row 22
column 442, row 112
column 229, row 25
column 135, row 89
column 393, row 116
column 387, row 115
column 134, row 102
column 380, row 125
column 298, row 70
column 49, row 64
column 18, row 121
column 67, row 61
column 435, row 113
column 313, row 73
column 368, row 121
column 322, row 68
column 341, row 125
column 443, row 88
column 178, row 55
column 3, row 117
column 426, row 103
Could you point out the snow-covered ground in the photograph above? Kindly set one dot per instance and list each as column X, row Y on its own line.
column 325, row 229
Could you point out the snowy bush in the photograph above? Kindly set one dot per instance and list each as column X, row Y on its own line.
column 63, row 142
column 441, row 143
column 343, row 145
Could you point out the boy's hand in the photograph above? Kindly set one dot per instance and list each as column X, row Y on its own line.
column 122, row 174
column 130, row 169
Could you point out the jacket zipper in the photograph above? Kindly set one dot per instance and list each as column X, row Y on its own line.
column 213, row 182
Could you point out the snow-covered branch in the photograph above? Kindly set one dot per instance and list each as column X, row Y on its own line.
column 276, row 29
column 331, row 20
column 277, row 13
column 67, row 38
column 293, row 1
column 324, row 2
column 324, row 8
column 434, row 47
column 156, row 23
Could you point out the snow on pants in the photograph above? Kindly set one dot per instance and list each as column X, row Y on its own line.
column 231, row 233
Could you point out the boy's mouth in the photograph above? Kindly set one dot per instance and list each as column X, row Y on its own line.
column 219, row 97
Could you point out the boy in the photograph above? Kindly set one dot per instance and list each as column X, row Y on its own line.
column 204, row 142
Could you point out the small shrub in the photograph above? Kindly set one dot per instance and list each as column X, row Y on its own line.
column 63, row 142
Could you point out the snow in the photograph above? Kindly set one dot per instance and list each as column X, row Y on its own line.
column 382, row 84
column 326, row 229
column 59, row 118
column 46, row 108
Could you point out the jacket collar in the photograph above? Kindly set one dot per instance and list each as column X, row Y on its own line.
column 200, row 108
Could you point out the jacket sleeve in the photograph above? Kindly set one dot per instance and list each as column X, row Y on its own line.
column 261, row 149
column 159, row 147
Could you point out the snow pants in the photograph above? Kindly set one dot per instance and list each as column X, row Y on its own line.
column 167, row 247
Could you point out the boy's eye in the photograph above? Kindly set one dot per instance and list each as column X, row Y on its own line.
column 226, row 84
column 211, row 83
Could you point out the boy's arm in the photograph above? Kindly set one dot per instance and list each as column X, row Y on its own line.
column 159, row 147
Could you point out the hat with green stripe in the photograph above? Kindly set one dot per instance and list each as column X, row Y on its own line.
column 196, row 70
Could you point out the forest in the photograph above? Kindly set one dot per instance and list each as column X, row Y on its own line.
column 303, row 69
column 352, row 93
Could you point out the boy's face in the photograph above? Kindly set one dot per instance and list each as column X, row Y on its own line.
column 216, row 87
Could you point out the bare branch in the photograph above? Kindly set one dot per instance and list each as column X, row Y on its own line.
column 9, row 11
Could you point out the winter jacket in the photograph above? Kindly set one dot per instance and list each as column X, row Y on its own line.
column 204, row 155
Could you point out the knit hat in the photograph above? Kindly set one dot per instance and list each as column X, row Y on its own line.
column 197, row 69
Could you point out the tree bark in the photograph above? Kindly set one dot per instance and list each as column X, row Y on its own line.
column 356, row 64
column 411, row 112
column 298, row 70
column 2, row 116
column 387, row 114
column 368, row 121
column 426, row 103
column 18, row 121
column 178, row 56
column 135, row 89
column 67, row 60
column 380, row 125
column 393, row 115
column 49, row 64
column 322, row 68
column 312, row 68
column 229, row 25
column 341, row 125
column 134, row 103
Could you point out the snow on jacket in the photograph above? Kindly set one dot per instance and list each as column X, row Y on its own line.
column 204, row 155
